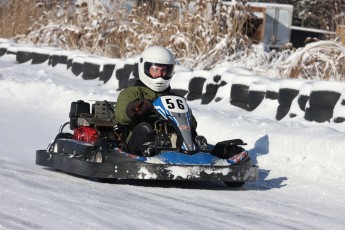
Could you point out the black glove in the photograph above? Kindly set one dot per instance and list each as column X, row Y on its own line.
column 139, row 107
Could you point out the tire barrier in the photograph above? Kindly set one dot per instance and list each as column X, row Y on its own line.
column 3, row 51
column 289, row 89
column 317, row 101
column 339, row 110
column 23, row 56
column 123, row 72
column 69, row 62
column 273, row 90
column 134, row 75
column 302, row 101
column 90, row 71
column 108, row 70
column 77, row 65
column 210, row 93
column 196, row 85
column 40, row 55
column 54, row 58
column 299, row 103
column 224, row 87
column 210, row 89
column 323, row 98
column 92, row 68
column 71, row 56
column 255, row 98
column 285, row 99
column 63, row 58
column 256, row 94
column 195, row 88
column 239, row 94
column 38, row 58
column 318, row 114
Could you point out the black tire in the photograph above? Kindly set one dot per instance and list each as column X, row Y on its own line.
column 54, row 60
column 241, row 104
column 69, row 63
column 38, row 58
column 77, row 68
column 339, row 118
column 234, row 184
column 122, row 75
column 324, row 98
column 272, row 95
column 286, row 96
column 239, row 92
column 239, row 96
column 108, row 70
column 23, row 56
column 195, row 88
column 282, row 110
column 63, row 59
column 318, row 113
column 302, row 101
column 209, row 95
column 90, row 71
column 2, row 51
column 196, row 84
column 255, row 98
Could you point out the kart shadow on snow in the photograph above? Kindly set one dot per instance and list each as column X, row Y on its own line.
column 180, row 184
column 261, row 147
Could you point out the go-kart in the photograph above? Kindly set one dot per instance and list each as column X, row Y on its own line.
column 97, row 148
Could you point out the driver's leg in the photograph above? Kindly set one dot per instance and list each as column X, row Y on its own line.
column 141, row 134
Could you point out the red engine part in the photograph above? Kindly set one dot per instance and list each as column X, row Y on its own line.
column 85, row 134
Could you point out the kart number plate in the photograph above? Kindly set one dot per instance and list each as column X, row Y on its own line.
column 175, row 104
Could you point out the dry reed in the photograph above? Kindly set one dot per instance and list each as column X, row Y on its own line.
column 200, row 38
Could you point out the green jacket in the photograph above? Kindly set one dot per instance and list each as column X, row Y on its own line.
column 131, row 94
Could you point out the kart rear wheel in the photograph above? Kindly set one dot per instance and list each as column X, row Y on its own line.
column 234, row 184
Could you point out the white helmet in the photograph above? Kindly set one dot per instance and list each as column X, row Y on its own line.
column 156, row 56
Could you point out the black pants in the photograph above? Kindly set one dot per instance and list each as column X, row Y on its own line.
column 141, row 134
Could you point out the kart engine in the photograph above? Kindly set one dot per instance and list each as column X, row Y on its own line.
column 85, row 134
column 89, row 127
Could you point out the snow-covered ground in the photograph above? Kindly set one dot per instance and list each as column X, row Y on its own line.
column 301, row 183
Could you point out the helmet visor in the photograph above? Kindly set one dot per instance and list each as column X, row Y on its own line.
column 156, row 70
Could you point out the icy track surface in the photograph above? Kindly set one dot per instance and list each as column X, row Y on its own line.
column 301, row 184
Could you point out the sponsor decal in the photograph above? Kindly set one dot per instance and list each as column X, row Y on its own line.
column 238, row 157
column 184, row 127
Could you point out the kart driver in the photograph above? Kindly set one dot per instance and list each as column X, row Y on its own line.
column 134, row 107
